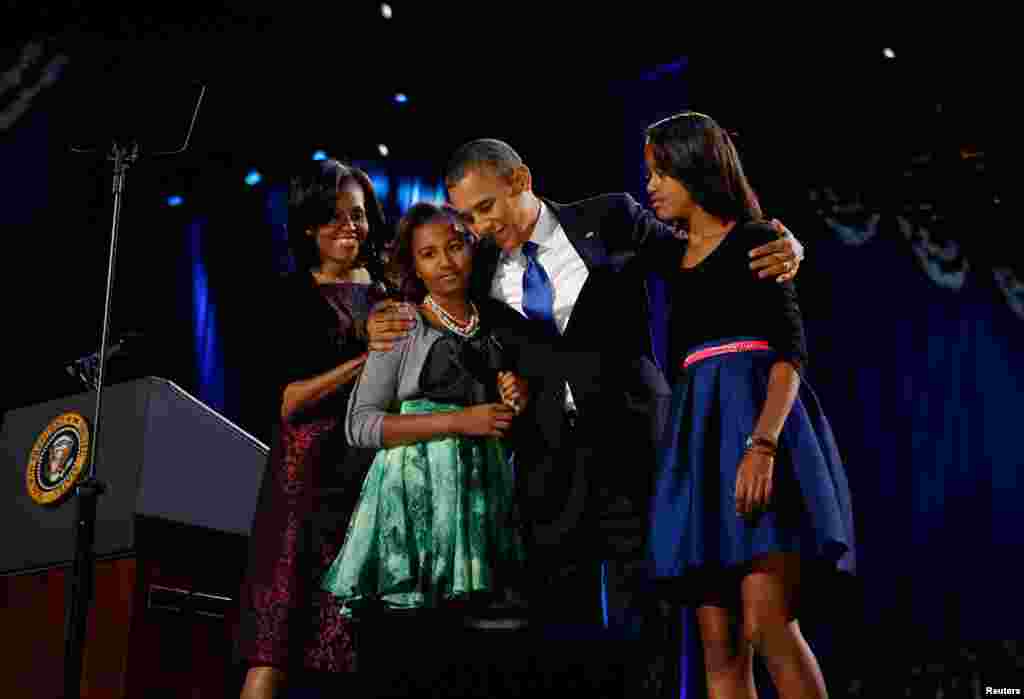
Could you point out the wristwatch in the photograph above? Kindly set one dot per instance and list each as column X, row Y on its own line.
column 754, row 440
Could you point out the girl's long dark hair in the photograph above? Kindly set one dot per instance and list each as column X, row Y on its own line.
column 692, row 148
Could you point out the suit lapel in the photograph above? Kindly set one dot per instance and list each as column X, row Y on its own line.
column 585, row 239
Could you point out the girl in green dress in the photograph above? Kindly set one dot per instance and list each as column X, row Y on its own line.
column 435, row 526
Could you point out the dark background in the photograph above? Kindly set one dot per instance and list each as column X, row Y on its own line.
column 922, row 379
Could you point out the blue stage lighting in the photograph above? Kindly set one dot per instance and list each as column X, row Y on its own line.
column 381, row 185
column 253, row 178
column 175, row 200
column 319, row 155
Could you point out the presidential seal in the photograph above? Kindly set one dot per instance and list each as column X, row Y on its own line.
column 58, row 459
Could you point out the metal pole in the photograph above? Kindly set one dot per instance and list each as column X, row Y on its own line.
column 89, row 490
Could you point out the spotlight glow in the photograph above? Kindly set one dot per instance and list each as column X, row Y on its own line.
column 383, row 150
column 400, row 98
column 175, row 200
column 381, row 184
column 889, row 53
column 385, row 10
column 319, row 155
column 253, row 178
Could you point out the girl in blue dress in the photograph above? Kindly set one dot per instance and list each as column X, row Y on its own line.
column 750, row 493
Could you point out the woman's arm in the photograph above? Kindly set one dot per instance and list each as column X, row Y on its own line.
column 301, row 395
column 300, row 350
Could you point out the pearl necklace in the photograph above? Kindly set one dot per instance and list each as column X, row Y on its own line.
column 467, row 329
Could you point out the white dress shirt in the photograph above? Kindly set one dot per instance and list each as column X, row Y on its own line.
column 564, row 266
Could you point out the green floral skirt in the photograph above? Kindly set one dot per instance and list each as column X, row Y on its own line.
column 434, row 523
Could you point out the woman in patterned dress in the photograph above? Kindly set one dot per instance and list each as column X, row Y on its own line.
column 290, row 627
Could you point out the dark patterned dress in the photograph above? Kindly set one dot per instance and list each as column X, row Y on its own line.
column 309, row 489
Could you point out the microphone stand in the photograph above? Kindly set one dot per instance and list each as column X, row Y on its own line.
column 87, row 492
column 89, row 489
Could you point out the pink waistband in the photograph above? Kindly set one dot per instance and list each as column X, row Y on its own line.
column 707, row 352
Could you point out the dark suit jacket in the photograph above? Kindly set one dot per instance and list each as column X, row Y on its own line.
column 606, row 357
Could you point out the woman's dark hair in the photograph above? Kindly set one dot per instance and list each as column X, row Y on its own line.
column 313, row 202
column 403, row 261
column 692, row 148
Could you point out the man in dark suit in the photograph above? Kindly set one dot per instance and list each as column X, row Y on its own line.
column 584, row 472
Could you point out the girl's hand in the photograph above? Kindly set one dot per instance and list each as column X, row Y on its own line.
column 754, row 483
column 514, row 390
column 487, row 420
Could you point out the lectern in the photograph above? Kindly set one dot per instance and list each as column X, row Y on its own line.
column 171, row 533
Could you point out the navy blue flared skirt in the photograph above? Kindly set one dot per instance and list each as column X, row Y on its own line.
column 716, row 402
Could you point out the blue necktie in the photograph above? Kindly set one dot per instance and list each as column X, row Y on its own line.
column 539, row 304
column 538, row 294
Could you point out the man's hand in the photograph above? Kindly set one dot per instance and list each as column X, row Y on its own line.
column 389, row 322
column 780, row 258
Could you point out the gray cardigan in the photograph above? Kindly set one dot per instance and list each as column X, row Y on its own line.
column 387, row 377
